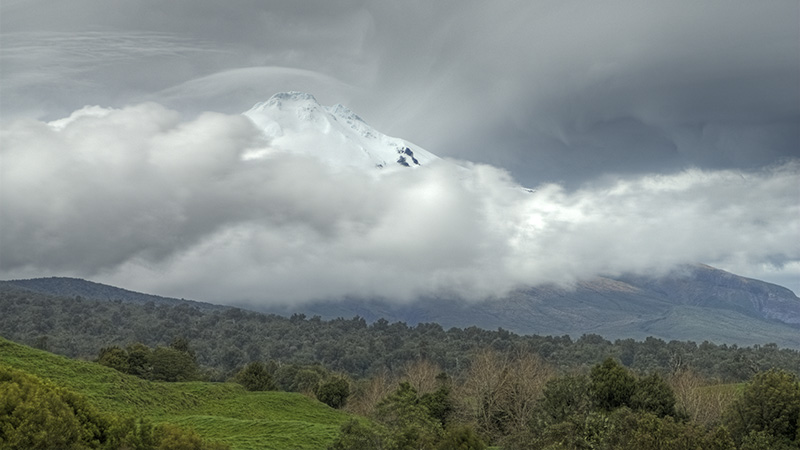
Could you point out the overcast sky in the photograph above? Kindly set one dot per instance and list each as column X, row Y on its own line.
column 653, row 133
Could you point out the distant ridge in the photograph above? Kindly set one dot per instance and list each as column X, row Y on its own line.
column 694, row 302
column 78, row 287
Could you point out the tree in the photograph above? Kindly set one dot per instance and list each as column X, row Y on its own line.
column 654, row 395
column 255, row 377
column 421, row 374
column 769, row 404
column 114, row 357
column 139, row 360
column 697, row 400
column 409, row 422
column 484, row 392
column 565, row 397
column 460, row 437
column 334, row 392
column 368, row 393
column 357, row 436
column 169, row 364
column 611, row 386
column 439, row 403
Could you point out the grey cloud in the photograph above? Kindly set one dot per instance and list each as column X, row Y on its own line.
column 143, row 198
column 553, row 91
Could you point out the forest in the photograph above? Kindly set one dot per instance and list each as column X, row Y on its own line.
column 426, row 387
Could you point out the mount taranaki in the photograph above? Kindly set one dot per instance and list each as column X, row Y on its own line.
column 692, row 302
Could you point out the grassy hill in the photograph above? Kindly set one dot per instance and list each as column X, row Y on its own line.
column 220, row 411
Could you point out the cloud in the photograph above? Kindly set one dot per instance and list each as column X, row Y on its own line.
column 143, row 198
column 231, row 89
column 553, row 91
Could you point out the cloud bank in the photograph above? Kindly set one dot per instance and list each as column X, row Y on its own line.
column 143, row 198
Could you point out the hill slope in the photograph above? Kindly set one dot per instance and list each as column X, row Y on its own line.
column 696, row 303
column 221, row 411
column 77, row 287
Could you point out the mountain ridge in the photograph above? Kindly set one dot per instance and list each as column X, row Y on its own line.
column 695, row 303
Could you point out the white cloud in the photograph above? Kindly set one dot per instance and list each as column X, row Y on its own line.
column 141, row 198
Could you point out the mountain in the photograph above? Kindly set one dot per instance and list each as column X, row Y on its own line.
column 77, row 287
column 693, row 302
column 696, row 302
column 295, row 122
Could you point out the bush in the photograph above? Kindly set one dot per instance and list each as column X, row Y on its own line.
column 255, row 377
column 356, row 436
column 37, row 415
column 334, row 392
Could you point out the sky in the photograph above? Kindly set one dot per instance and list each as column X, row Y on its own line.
column 651, row 134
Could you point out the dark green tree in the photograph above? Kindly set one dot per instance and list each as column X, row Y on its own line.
column 565, row 397
column 653, row 394
column 642, row 430
column 181, row 344
column 611, row 385
column 114, row 357
column 169, row 364
column 334, row 392
column 720, row 439
column 769, row 404
column 440, row 403
column 357, row 436
column 409, row 421
column 139, row 360
column 460, row 437
column 255, row 377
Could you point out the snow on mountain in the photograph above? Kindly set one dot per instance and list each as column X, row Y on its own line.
column 295, row 122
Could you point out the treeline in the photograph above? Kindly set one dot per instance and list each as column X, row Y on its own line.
column 522, row 403
column 225, row 340
column 177, row 363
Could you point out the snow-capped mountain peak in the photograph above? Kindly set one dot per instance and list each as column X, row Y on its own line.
column 295, row 122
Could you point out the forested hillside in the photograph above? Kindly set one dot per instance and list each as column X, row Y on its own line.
column 226, row 339
column 413, row 386
column 510, row 401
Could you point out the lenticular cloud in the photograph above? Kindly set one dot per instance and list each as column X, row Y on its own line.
column 144, row 199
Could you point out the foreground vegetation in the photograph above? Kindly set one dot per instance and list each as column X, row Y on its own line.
column 511, row 401
column 172, row 374
column 217, row 412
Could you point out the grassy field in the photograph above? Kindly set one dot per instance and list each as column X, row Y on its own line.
column 219, row 411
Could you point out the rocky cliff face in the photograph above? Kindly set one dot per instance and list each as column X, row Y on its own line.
column 705, row 286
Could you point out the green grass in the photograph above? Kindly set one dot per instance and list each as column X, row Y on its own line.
column 219, row 411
